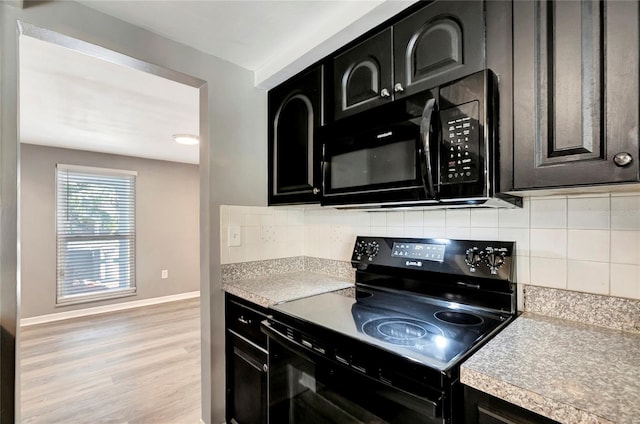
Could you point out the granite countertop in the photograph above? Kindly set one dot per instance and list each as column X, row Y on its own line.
column 567, row 371
column 276, row 288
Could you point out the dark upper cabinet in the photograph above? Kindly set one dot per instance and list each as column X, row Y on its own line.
column 295, row 114
column 362, row 75
column 438, row 43
column 575, row 93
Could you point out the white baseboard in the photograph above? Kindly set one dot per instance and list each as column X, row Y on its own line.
column 41, row 319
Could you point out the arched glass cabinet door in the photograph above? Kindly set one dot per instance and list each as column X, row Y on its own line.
column 295, row 114
column 362, row 75
column 437, row 44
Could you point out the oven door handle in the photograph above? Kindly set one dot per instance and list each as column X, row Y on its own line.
column 285, row 341
column 274, row 334
column 425, row 148
column 271, row 332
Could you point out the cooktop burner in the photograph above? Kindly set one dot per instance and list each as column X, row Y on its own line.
column 400, row 331
column 431, row 301
column 417, row 328
column 458, row 318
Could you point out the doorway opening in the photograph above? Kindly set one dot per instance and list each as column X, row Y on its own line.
column 87, row 108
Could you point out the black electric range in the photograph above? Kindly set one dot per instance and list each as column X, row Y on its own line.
column 392, row 353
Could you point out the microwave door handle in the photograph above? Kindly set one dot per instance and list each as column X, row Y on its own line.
column 425, row 141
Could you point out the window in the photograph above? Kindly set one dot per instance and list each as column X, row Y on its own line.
column 95, row 233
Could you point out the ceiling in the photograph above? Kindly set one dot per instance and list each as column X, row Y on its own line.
column 76, row 101
column 72, row 100
column 251, row 34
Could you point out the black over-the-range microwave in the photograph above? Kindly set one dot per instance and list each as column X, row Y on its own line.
column 436, row 147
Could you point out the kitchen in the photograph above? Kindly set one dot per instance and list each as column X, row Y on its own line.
column 558, row 230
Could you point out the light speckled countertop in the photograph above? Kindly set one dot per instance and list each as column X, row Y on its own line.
column 272, row 289
column 567, row 371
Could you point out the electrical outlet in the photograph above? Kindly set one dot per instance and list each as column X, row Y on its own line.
column 165, row 273
column 234, row 238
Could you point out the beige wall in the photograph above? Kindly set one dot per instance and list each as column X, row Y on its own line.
column 167, row 225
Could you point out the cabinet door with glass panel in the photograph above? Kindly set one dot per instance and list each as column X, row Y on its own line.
column 295, row 114
column 439, row 42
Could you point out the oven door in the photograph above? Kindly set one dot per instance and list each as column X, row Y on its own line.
column 306, row 388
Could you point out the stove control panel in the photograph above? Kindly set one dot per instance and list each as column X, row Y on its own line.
column 486, row 259
column 427, row 251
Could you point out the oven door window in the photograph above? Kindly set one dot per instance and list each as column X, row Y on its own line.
column 306, row 390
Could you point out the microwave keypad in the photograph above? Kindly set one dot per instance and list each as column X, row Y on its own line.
column 460, row 144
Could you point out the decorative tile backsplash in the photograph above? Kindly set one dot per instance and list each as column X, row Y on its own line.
column 583, row 243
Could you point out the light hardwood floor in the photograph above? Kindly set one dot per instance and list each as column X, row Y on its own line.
column 135, row 366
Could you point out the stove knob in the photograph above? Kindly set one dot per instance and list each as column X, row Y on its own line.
column 494, row 259
column 372, row 250
column 473, row 258
column 360, row 250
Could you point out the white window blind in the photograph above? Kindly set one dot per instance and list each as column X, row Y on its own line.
column 96, row 240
